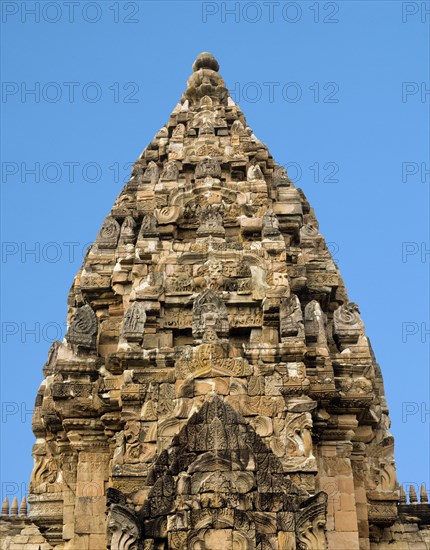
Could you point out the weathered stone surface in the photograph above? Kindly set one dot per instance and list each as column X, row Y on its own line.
column 215, row 388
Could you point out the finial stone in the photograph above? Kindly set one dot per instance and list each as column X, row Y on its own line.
column 412, row 495
column 206, row 60
column 5, row 508
column 23, row 508
column 14, row 507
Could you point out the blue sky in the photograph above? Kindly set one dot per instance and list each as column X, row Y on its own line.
column 338, row 92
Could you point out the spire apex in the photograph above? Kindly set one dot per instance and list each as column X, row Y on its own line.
column 206, row 60
column 206, row 81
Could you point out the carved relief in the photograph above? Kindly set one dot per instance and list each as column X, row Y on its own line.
column 280, row 177
column 170, row 172
column 179, row 285
column 123, row 531
column 206, row 150
column 108, row 234
column 128, row 230
column 45, row 471
column 297, row 435
column 382, row 479
column 209, row 312
column 315, row 323
column 151, row 173
column 254, row 173
column 237, row 128
column 168, row 214
column 270, row 226
column 49, row 366
column 166, row 398
column 211, row 275
column 162, row 133
column 133, row 435
column 308, row 232
column 177, row 318
column 134, row 322
column 150, row 288
column 310, row 524
column 149, row 227
column 212, row 223
column 291, row 318
column 348, row 326
column 208, row 167
column 178, row 133
column 207, row 128
column 355, row 386
column 83, row 328
column 206, row 102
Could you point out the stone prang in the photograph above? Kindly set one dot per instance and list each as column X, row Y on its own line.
column 215, row 388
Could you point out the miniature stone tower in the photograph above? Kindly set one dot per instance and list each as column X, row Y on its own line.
column 215, row 389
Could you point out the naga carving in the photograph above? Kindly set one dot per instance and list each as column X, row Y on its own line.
column 291, row 318
column 123, row 531
column 109, row 234
column 348, row 326
column 83, row 328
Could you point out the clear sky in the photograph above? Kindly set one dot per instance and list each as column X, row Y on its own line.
column 337, row 90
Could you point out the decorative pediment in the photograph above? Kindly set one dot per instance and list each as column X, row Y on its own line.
column 216, row 482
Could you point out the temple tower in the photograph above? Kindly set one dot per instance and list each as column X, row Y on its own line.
column 215, row 389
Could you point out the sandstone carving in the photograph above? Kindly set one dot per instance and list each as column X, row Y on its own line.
column 291, row 318
column 108, row 234
column 348, row 326
column 83, row 328
column 151, row 174
column 123, row 529
column 170, row 172
column 212, row 223
column 208, row 167
column 216, row 388
column 128, row 230
column 134, row 322
column 209, row 313
column 149, row 227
